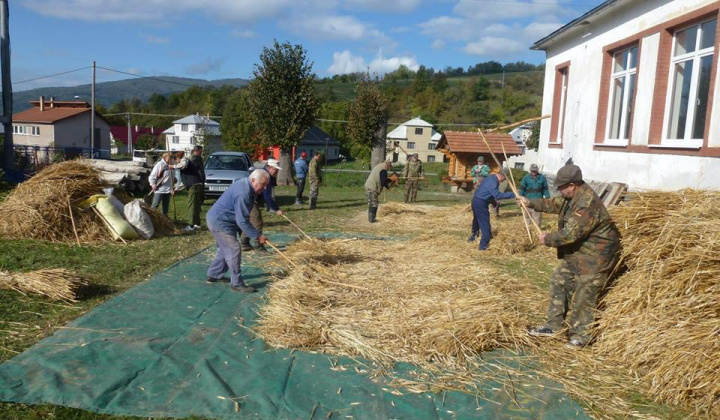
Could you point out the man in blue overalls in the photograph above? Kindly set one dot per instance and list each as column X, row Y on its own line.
column 487, row 193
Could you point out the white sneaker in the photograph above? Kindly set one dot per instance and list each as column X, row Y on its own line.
column 197, row 227
column 187, row 229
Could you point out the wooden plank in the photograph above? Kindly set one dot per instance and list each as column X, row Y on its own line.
column 616, row 193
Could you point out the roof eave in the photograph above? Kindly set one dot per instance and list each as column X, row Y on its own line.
column 543, row 43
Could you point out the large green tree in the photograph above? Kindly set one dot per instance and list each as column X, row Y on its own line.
column 367, row 125
column 282, row 100
column 237, row 130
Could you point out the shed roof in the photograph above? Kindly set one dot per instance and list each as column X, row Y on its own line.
column 196, row 119
column 120, row 132
column 467, row 142
column 315, row 136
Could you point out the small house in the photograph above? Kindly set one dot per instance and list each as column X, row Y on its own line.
column 462, row 150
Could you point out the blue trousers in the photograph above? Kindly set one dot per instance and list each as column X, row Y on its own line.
column 228, row 256
column 164, row 198
column 481, row 221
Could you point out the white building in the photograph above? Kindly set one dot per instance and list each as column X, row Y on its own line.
column 529, row 156
column 630, row 86
column 414, row 136
column 193, row 130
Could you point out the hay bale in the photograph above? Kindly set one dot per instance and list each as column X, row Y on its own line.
column 381, row 300
column 662, row 318
column 57, row 284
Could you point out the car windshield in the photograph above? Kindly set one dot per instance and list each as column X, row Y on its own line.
column 226, row 162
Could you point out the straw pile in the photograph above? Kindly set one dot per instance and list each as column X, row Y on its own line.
column 39, row 208
column 381, row 300
column 662, row 318
column 57, row 284
column 45, row 207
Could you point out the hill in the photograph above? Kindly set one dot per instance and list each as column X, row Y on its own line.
column 109, row 93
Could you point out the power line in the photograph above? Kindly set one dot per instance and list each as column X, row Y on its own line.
column 153, row 115
column 147, row 77
column 395, row 123
column 51, row 75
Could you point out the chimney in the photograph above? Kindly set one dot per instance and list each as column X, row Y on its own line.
column 42, row 103
column 52, row 102
column 136, row 129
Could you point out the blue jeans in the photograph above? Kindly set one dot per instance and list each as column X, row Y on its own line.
column 228, row 256
column 481, row 219
column 157, row 197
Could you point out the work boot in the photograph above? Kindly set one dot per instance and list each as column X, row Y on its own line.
column 245, row 244
column 298, row 202
column 472, row 238
column 372, row 214
column 313, row 203
column 541, row 331
column 243, row 288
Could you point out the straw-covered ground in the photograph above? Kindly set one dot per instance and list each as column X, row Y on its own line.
column 437, row 303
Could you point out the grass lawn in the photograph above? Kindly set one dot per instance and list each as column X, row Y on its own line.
column 113, row 268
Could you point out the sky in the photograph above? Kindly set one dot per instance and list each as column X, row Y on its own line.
column 219, row 39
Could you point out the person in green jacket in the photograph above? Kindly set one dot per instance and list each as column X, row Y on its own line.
column 534, row 185
column 588, row 243
column 315, row 175
column 412, row 173
column 480, row 171
column 376, row 181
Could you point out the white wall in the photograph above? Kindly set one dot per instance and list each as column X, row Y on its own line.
column 585, row 52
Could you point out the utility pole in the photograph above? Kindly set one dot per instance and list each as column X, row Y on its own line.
column 8, row 161
column 92, row 114
column 503, row 79
column 326, row 149
column 130, row 145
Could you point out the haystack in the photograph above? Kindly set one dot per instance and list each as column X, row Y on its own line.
column 381, row 300
column 662, row 318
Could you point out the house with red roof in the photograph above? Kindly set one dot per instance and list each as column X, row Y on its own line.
column 61, row 124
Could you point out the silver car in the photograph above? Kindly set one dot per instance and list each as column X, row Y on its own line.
column 224, row 168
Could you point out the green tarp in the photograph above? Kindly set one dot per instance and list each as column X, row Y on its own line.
column 175, row 346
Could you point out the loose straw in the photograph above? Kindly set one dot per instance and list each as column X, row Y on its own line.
column 281, row 253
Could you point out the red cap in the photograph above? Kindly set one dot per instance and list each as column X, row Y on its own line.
column 303, row 155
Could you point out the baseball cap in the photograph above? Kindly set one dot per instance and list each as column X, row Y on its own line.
column 273, row 163
column 303, row 155
column 568, row 174
column 480, row 159
column 534, row 167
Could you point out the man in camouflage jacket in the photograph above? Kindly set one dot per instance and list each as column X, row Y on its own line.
column 412, row 173
column 588, row 242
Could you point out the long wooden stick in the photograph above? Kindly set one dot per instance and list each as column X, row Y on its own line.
column 512, row 186
column 505, row 127
column 77, row 238
column 523, row 205
column 512, row 181
column 281, row 253
column 296, row 226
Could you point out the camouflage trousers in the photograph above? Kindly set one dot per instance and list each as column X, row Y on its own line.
column 256, row 220
column 575, row 291
column 373, row 198
column 411, row 189
column 314, row 189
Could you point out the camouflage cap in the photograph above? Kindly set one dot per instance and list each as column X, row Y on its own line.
column 534, row 167
column 480, row 159
column 568, row 174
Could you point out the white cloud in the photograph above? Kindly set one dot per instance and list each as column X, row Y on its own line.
column 484, row 11
column 383, row 5
column 157, row 10
column 154, row 39
column 337, row 27
column 446, row 27
column 495, row 47
column 437, row 44
column 205, row 67
column 345, row 62
column 537, row 30
column 243, row 33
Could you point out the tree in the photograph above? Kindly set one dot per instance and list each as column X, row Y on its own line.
column 482, row 89
column 282, row 100
column 236, row 127
column 533, row 142
column 146, row 142
column 367, row 123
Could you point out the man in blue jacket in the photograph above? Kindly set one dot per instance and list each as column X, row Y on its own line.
column 487, row 193
column 265, row 199
column 534, row 186
column 301, row 170
column 226, row 218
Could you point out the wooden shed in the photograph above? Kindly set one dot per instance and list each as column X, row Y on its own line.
column 463, row 149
